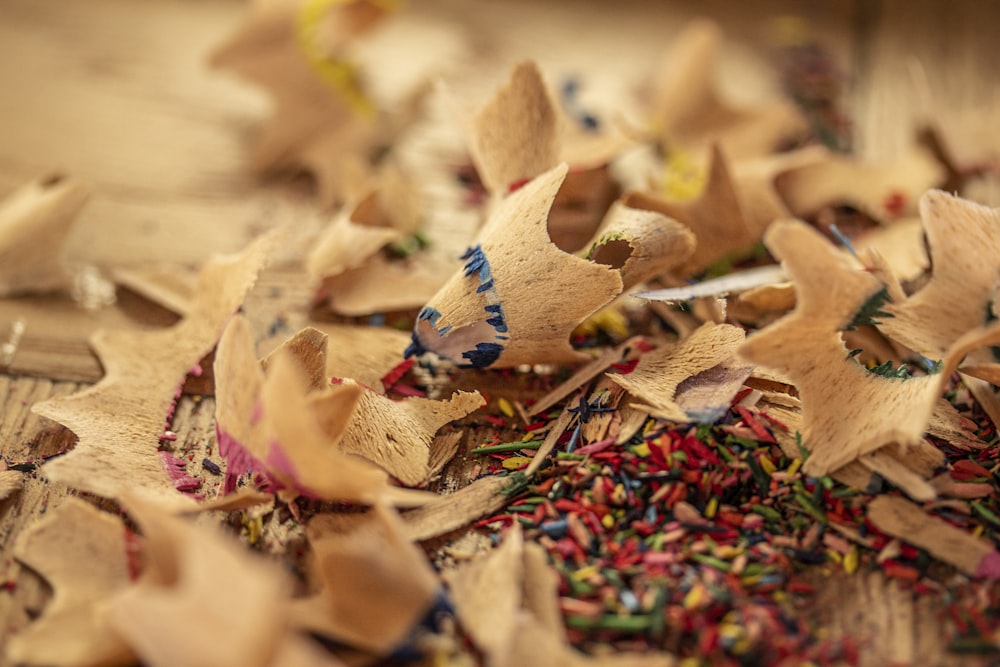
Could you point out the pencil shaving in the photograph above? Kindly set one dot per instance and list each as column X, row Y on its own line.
column 120, row 420
column 508, row 306
column 640, row 244
column 73, row 631
column 374, row 585
column 848, row 410
column 398, row 436
column 962, row 237
column 882, row 191
column 34, row 222
column 515, row 136
column 658, row 374
column 687, row 109
column 322, row 120
column 715, row 217
column 274, row 424
column 237, row 625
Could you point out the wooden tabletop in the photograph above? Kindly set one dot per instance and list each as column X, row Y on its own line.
column 117, row 93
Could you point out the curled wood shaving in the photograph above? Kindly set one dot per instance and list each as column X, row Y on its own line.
column 658, row 374
column 715, row 217
column 120, row 420
column 34, row 221
column 641, row 244
column 374, row 585
column 519, row 296
column 398, row 435
column 81, row 552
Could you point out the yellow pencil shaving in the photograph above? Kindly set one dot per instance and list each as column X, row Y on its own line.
column 683, row 178
column 340, row 75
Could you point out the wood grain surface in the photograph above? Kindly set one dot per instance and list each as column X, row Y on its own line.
column 117, row 93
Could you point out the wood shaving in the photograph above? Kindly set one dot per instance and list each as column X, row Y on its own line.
column 688, row 110
column 509, row 305
column 120, row 420
column 657, row 376
column 34, row 221
column 374, row 584
column 962, row 237
column 847, row 410
column 81, row 552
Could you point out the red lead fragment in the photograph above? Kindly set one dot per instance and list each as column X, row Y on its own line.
column 759, row 429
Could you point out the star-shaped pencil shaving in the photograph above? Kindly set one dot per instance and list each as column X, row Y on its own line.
column 322, row 120
column 519, row 296
column 398, row 436
column 688, row 111
column 515, row 136
column 374, row 585
column 240, row 623
column 81, row 552
column 120, row 421
column 641, row 244
column 848, row 411
column 715, row 217
column 881, row 191
column 963, row 238
column 34, row 221
column 657, row 376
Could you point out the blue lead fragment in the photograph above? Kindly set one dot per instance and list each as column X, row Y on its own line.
column 211, row 467
column 482, row 355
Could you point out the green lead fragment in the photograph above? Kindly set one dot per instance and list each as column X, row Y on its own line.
column 871, row 310
column 760, row 476
column 712, row 561
column 766, row 512
column 518, row 484
column 806, row 503
column 627, row 624
column 515, row 446
column 979, row 509
column 975, row 645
